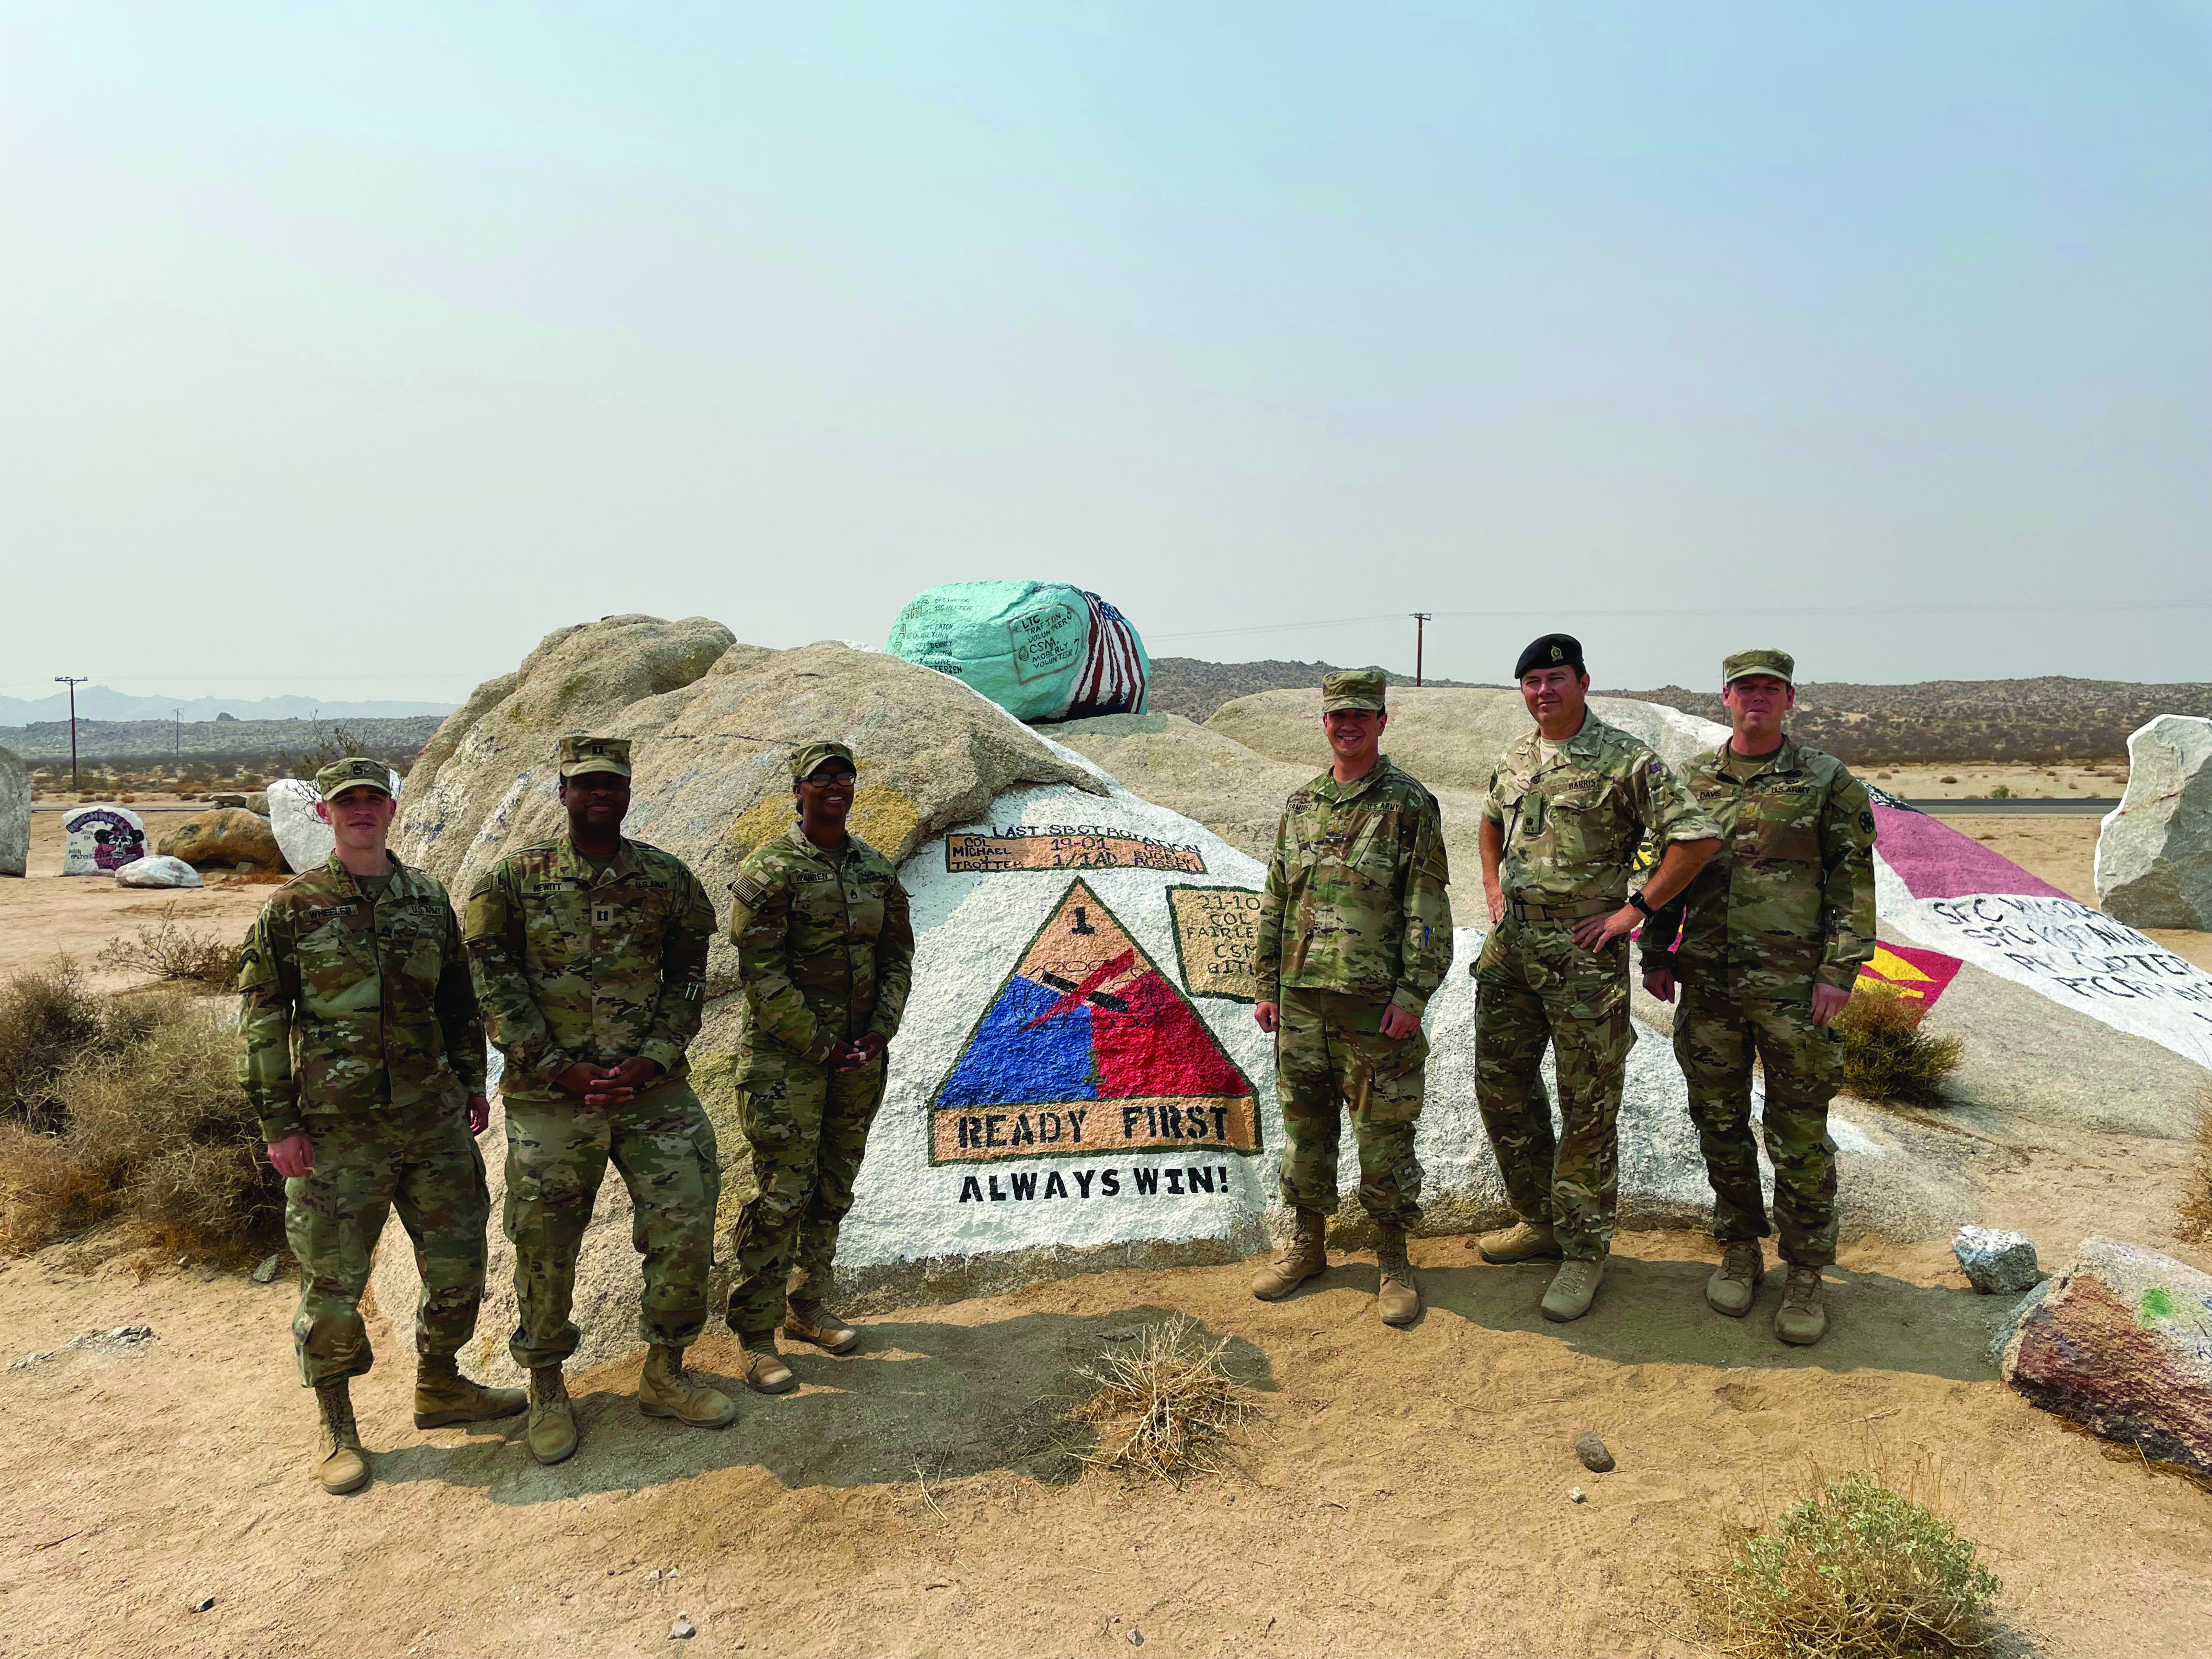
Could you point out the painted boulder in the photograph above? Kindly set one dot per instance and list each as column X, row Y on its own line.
column 159, row 870
column 15, row 815
column 227, row 836
column 97, row 841
column 1041, row 651
column 1080, row 1084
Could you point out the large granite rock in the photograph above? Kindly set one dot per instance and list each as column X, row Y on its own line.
column 1032, row 1132
column 2121, row 1343
column 97, row 841
column 225, row 835
column 711, row 757
column 303, row 840
column 1450, row 738
column 2154, row 851
column 15, row 815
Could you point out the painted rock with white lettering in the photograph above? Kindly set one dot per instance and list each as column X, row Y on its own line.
column 2122, row 1345
column 15, row 815
column 97, row 841
column 2154, row 851
column 159, row 870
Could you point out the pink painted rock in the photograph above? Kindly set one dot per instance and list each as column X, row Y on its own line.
column 2122, row 1344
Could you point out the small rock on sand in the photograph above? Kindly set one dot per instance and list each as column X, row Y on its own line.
column 1595, row 1458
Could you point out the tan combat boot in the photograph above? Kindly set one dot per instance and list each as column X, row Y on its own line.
column 552, row 1428
column 811, row 1321
column 1574, row 1287
column 1305, row 1255
column 1802, row 1319
column 765, row 1371
column 344, row 1464
column 1524, row 1241
column 666, row 1389
column 1398, row 1299
column 1735, row 1283
column 443, row 1396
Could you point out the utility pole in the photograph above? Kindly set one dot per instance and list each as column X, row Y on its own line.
column 176, row 737
column 1420, row 622
column 72, row 681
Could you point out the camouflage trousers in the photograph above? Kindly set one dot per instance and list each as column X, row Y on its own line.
column 1717, row 1032
column 1331, row 1055
column 1534, row 984
column 426, row 1166
column 808, row 1126
column 557, row 1152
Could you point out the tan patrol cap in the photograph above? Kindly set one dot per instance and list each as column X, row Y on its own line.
column 1780, row 664
column 581, row 754
column 354, row 772
column 805, row 761
column 1353, row 687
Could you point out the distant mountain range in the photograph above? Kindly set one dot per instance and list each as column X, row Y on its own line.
column 99, row 702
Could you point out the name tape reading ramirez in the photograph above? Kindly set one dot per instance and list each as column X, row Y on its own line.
column 1065, row 846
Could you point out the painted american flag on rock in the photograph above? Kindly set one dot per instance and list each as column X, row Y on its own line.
column 1112, row 679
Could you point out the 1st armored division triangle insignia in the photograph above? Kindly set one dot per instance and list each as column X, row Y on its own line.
column 1089, row 1049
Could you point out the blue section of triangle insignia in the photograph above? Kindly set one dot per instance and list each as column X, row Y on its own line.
column 1006, row 1065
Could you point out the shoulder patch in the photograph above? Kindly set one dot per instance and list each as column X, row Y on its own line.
column 1866, row 821
column 749, row 889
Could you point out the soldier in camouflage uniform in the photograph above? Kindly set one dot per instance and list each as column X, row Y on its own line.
column 1355, row 934
column 1569, row 806
column 590, row 955
column 1764, row 946
column 825, row 949
column 362, row 1052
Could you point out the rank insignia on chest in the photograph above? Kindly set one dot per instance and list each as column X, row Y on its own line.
column 603, row 915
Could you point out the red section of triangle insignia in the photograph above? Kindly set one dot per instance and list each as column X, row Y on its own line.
column 1157, row 1047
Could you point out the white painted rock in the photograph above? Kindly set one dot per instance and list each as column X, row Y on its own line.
column 15, row 815
column 1996, row 1263
column 305, row 840
column 2122, row 1344
column 2154, row 851
column 158, row 871
column 97, row 841
column 1080, row 1084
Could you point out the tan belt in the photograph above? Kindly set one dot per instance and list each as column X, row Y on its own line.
column 1524, row 910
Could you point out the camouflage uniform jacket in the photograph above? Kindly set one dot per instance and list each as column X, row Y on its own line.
column 1573, row 825
column 351, row 1006
column 825, row 949
column 577, row 965
column 1789, row 896
column 1355, row 899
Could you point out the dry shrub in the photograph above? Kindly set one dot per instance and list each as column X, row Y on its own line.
column 1885, row 1054
column 2194, row 1224
column 166, row 949
column 1857, row 1570
column 1165, row 1405
column 158, row 1133
column 48, row 1019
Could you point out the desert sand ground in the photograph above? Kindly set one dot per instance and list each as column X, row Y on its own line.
column 2105, row 781
column 1403, row 1492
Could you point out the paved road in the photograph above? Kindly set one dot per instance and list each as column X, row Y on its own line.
column 2073, row 806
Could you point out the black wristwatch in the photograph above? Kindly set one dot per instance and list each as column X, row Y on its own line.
column 1636, row 900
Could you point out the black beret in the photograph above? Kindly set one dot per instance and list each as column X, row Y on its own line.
column 1549, row 652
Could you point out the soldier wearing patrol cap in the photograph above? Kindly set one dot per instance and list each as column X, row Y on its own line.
column 362, row 1049
column 1355, row 934
column 1570, row 805
column 825, row 951
column 1764, row 945
column 590, row 955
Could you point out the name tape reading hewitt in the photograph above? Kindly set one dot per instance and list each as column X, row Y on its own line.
column 1064, row 846
column 1089, row 1049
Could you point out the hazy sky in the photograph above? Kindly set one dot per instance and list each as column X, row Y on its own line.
column 346, row 355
